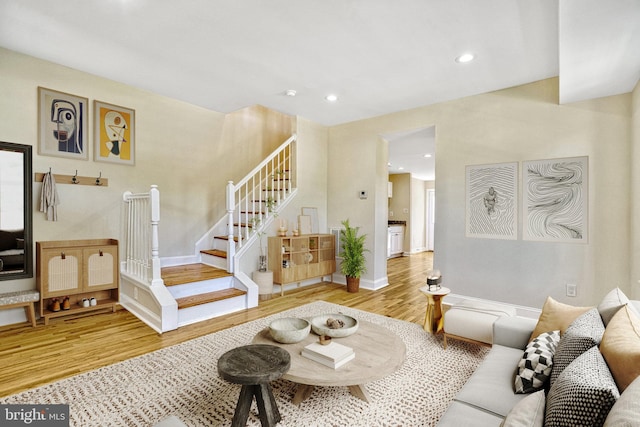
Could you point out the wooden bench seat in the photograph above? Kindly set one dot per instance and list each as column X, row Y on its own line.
column 24, row 299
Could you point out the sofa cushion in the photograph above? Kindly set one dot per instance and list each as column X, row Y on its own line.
column 620, row 347
column 611, row 303
column 529, row 412
column 556, row 316
column 626, row 409
column 460, row 414
column 534, row 368
column 583, row 394
column 491, row 385
column 585, row 332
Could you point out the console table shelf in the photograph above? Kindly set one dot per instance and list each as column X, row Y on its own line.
column 296, row 258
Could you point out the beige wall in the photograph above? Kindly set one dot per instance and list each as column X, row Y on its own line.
column 635, row 195
column 188, row 151
column 517, row 124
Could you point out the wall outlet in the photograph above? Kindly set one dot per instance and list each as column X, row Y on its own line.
column 390, row 213
column 572, row 290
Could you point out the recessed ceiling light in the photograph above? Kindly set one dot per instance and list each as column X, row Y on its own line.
column 401, row 168
column 331, row 98
column 427, row 155
column 290, row 92
column 465, row 57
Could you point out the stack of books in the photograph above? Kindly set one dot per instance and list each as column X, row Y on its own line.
column 332, row 355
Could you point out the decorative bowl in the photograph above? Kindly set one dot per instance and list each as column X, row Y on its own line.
column 319, row 325
column 289, row 330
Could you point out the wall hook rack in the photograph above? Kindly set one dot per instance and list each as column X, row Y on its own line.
column 75, row 179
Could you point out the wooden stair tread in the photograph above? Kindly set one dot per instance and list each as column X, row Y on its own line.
column 189, row 273
column 199, row 299
column 215, row 252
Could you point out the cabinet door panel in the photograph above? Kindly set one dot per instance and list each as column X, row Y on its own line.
column 62, row 273
column 101, row 268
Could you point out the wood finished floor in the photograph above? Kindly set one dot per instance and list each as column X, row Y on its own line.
column 31, row 357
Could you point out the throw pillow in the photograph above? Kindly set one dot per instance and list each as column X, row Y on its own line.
column 529, row 412
column 611, row 303
column 556, row 316
column 626, row 409
column 534, row 368
column 583, row 394
column 585, row 332
column 620, row 347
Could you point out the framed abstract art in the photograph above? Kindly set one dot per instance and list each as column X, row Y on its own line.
column 555, row 200
column 62, row 125
column 114, row 134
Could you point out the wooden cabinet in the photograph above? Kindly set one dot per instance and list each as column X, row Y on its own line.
column 79, row 270
column 296, row 258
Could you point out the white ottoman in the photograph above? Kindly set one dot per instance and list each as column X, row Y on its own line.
column 473, row 321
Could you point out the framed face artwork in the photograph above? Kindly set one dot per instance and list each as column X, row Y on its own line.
column 114, row 134
column 62, row 125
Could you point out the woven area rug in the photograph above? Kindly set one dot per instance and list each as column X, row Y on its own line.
column 182, row 380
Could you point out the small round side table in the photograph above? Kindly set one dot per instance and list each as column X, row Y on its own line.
column 433, row 319
column 254, row 367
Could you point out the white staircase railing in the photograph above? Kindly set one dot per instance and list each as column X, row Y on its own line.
column 140, row 236
column 254, row 200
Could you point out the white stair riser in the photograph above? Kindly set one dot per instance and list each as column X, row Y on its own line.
column 203, row 287
column 199, row 313
column 214, row 261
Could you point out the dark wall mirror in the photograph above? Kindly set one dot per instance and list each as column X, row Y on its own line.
column 16, row 241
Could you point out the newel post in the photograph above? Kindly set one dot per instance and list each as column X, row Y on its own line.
column 154, row 195
column 231, row 204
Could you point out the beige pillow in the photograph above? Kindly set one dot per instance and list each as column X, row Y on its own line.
column 556, row 316
column 620, row 347
column 529, row 412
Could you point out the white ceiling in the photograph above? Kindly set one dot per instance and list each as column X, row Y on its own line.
column 378, row 56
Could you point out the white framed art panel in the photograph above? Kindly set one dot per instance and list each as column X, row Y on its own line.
column 492, row 201
column 555, row 200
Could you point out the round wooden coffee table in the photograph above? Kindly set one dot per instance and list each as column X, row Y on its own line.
column 379, row 352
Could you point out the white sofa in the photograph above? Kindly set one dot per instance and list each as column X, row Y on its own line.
column 488, row 397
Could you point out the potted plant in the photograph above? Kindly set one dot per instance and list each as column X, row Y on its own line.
column 353, row 260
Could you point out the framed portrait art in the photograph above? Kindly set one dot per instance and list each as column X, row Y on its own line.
column 114, row 134
column 492, row 201
column 62, row 125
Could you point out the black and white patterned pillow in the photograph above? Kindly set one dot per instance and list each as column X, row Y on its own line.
column 583, row 394
column 585, row 332
column 534, row 368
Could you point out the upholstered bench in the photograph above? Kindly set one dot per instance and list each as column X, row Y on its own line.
column 24, row 299
column 473, row 321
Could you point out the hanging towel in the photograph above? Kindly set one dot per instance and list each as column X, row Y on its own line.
column 49, row 199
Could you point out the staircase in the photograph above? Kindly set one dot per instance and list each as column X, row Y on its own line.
column 209, row 283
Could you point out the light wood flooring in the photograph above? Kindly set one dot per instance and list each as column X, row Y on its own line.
column 31, row 357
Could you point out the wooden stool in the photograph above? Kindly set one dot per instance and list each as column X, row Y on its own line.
column 254, row 366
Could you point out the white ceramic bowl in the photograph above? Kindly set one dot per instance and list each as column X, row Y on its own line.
column 289, row 330
column 319, row 325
